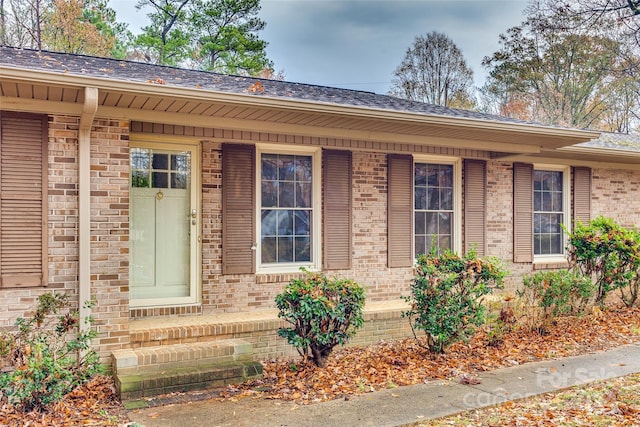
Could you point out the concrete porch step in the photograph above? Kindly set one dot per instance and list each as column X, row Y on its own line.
column 150, row 371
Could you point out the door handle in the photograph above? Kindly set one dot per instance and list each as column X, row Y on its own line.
column 194, row 215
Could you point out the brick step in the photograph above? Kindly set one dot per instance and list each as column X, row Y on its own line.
column 150, row 371
column 190, row 329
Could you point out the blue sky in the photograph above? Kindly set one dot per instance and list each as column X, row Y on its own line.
column 357, row 44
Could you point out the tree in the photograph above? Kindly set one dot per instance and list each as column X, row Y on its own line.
column 621, row 14
column 434, row 71
column 217, row 35
column 68, row 31
column 74, row 26
column 166, row 40
column 563, row 77
column 22, row 22
column 98, row 13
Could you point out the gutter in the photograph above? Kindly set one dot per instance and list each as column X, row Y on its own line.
column 152, row 89
column 89, row 109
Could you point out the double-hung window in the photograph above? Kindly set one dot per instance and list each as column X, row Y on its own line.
column 436, row 206
column 550, row 211
column 288, row 210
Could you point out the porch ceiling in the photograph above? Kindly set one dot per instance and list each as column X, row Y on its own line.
column 158, row 103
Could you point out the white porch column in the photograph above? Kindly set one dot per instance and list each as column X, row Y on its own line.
column 84, row 202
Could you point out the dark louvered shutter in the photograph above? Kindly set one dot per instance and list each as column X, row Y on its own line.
column 475, row 203
column 337, row 171
column 400, row 210
column 238, row 208
column 522, row 212
column 23, row 200
column 582, row 194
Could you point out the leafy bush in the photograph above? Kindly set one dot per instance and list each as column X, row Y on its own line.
column 324, row 313
column 446, row 296
column 610, row 254
column 48, row 356
column 549, row 294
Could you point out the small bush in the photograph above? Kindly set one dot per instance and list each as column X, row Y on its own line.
column 549, row 294
column 610, row 254
column 324, row 313
column 47, row 356
column 446, row 296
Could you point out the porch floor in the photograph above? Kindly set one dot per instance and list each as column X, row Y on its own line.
column 138, row 325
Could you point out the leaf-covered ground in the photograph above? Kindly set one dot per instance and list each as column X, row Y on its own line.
column 615, row 402
column 358, row 370
column 93, row 404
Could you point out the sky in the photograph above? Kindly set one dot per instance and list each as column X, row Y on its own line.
column 357, row 44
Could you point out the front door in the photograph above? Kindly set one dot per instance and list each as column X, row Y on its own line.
column 163, row 225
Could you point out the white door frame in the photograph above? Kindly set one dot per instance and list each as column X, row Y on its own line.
column 194, row 147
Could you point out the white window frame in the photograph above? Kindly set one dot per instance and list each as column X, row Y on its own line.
column 456, row 228
column 316, row 214
column 566, row 212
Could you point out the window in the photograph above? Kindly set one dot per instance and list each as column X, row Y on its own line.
column 550, row 211
column 436, row 206
column 288, row 210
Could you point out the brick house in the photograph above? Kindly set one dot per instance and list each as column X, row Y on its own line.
column 183, row 201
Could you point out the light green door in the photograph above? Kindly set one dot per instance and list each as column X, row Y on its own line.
column 163, row 227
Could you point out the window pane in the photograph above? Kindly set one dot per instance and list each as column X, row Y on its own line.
column 160, row 161
column 546, row 202
column 420, row 198
column 433, row 199
column 420, row 175
column 179, row 162
column 444, row 242
column 269, row 194
column 269, row 221
column 302, row 225
column 556, row 243
column 431, row 226
column 303, row 195
column 537, row 201
column 285, row 195
column 179, row 181
column 420, row 245
column 303, row 249
column 556, row 181
column 556, row 201
column 285, row 249
column 269, row 249
column 160, row 180
column 444, row 223
column 446, row 176
column 286, row 168
column 303, row 168
column 432, row 175
column 140, row 179
column 446, row 199
column 420, row 223
column 285, row 223
column 139, row 158
column 537, row 249
column 537, row 223
column 269, row 167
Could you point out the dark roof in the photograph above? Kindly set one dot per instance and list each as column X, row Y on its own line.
column 202, row 80
column 614, row 141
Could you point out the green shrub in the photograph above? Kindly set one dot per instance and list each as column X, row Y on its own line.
column 47, row 356
column 446, row 296
column 549, row 294
column 323, row 312
column 610, row 254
